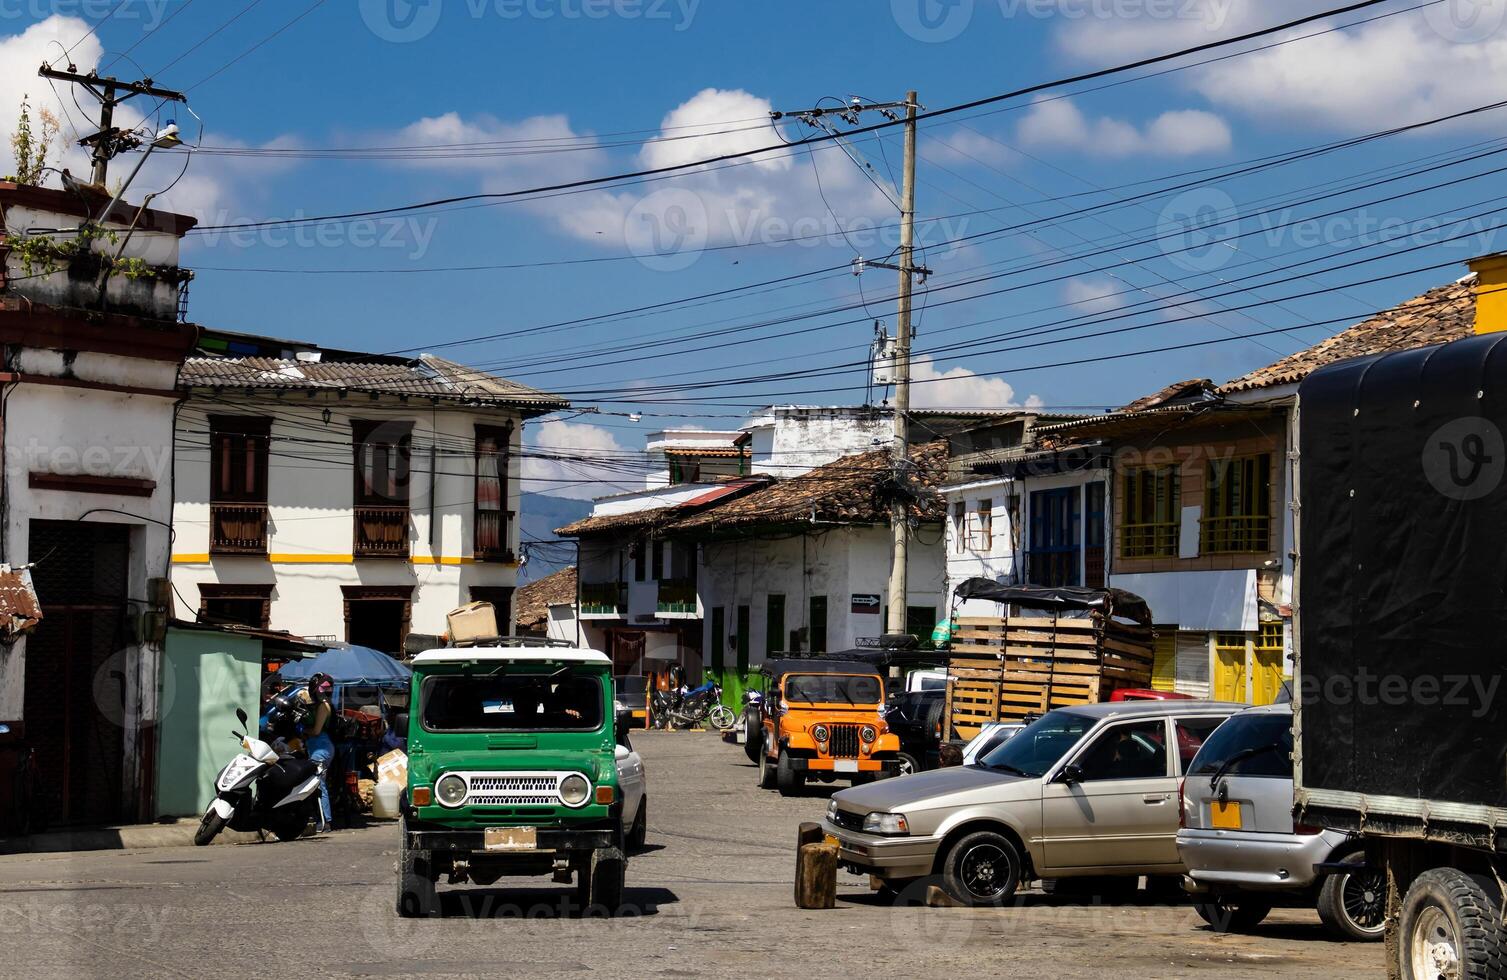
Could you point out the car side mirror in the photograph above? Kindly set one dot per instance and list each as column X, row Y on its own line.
column 1071, row 773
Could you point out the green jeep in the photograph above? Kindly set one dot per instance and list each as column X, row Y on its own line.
column 517, row 765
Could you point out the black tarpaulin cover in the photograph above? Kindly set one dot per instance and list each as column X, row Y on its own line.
column 1111, row 602
column 1403, row 564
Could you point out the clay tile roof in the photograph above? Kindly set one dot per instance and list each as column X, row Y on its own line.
column 426, row 376
column 1440, row 315
column 852, row 490
column 531, row 603
column 660, row 517
column 1196, row 388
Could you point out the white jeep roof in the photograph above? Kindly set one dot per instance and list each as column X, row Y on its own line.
column 461, row 655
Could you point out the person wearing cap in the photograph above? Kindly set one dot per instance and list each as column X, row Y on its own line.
column 317, row 739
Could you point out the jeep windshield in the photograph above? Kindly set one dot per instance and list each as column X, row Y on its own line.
column 1039, row 745
column 512, row 703
column 834, row 689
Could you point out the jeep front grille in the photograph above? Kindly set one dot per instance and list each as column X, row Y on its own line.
column 512, row 789
column 845, row 741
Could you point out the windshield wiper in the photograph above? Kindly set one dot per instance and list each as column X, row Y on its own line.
column 1238, row 758
column 1006, row 767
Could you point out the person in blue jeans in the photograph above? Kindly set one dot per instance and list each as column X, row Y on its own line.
column 320, row 746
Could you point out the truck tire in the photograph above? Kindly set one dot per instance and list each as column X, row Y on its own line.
column 786, row 779
column 1227, row 916
column 417, row 897
column 981, row 869
column 1353, row 904
column 603, row 878
column 1450, row 926
column 908, row 764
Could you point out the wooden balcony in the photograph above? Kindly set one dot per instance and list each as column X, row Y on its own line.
column 1249, row 534
column 677, row 596
column 604, row 599
column 381, row 532
column 493, row 529
column 237, row 529
column 1158, row 540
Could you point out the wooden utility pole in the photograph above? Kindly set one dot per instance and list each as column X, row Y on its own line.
column 111, row 92
column 899, row 518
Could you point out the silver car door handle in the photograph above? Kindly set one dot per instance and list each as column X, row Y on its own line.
column 1153, row 799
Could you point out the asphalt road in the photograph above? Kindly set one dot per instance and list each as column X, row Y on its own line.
column 714, row 892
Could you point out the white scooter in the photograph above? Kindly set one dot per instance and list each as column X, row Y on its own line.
column 262, row 789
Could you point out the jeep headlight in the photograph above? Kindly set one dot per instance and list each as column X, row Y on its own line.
column 574, row 790
column 892, row 824
column 820, row 733
column 868, row 734
column 451, row 790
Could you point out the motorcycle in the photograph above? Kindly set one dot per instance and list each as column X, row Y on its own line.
column 692, row 707
column 262, row 789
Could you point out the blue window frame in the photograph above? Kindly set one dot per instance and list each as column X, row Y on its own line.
column 1055, row 537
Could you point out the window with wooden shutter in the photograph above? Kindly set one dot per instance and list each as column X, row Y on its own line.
column 493, row 519
column 1237, row 506
column 238, row 484
column 383, row 457
column 1150, row 513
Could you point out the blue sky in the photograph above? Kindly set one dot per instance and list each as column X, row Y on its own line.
column 571, row 73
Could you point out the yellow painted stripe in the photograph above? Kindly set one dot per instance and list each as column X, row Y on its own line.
column 314, row 559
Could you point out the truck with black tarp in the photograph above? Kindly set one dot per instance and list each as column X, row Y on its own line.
column 1401, row 623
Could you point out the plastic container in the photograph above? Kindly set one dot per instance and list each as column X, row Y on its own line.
column 385, row 801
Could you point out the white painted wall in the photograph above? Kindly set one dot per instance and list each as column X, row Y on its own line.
column 790, row 441
column 310, row 499
column 966, row 558
column 837, row 564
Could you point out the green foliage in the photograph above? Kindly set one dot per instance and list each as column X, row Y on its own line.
column 31, row 146
column 41, row 255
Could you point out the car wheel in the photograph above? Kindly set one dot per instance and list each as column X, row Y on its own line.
column 1226, row 916
column 1450, row 927
column 908, row 764
column 639, row 833
column 753, row 738
column 786, row 778
column 983, row 868
column 766, row 770
column 417, row 896
column 1353, row 904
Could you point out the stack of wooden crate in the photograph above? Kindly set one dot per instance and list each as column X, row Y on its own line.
column 1005, row 668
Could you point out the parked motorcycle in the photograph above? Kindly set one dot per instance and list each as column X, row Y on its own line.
column 262, row 789
column 682, row 709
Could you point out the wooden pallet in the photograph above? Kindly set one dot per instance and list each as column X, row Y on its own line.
column 1005, row 669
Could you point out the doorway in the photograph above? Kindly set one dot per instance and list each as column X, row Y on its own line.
column 378, row 617
column 77, row 669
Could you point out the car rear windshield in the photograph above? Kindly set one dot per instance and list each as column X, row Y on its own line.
column 1039, row 745
column 1254, row 743
column 513, row 703
column 632, row 684
column 833, row 689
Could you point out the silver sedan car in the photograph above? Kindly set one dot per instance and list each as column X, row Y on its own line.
column 1081, row 792
column 1243, row 852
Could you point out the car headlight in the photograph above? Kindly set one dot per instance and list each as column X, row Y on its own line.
column 819, row 732
column 574, row 790
column 886, row 823
column 451, row 790
column 832, row 810
column 868, row 734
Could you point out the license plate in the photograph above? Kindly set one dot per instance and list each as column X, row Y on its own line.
column 1224, row 816
column 510, row 838
column 845, row 765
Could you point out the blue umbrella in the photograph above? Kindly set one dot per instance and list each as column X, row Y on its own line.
column 351, row 665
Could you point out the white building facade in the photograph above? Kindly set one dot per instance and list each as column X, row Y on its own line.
column 345, row 497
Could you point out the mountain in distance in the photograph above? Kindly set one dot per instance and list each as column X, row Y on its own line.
column 541, row 514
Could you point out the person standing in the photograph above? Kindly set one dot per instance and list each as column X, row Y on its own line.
column 317, row 739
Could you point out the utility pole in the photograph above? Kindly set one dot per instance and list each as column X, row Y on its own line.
column 105, row 144
column 899, row 518
column 908, row 270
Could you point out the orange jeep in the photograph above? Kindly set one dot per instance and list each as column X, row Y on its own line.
column 822, row 719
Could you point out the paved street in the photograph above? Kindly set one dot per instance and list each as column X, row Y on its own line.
column 715, row 890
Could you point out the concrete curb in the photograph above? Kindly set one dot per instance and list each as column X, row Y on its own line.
column 179, row 833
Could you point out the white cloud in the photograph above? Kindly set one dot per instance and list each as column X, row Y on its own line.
column 579, row 472
column 1059, row 124
column 1407, row 68
column 1093, row 294
column 960, row 388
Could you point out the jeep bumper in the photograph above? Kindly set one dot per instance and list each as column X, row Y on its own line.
column 840, row 766
column 549, row 840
